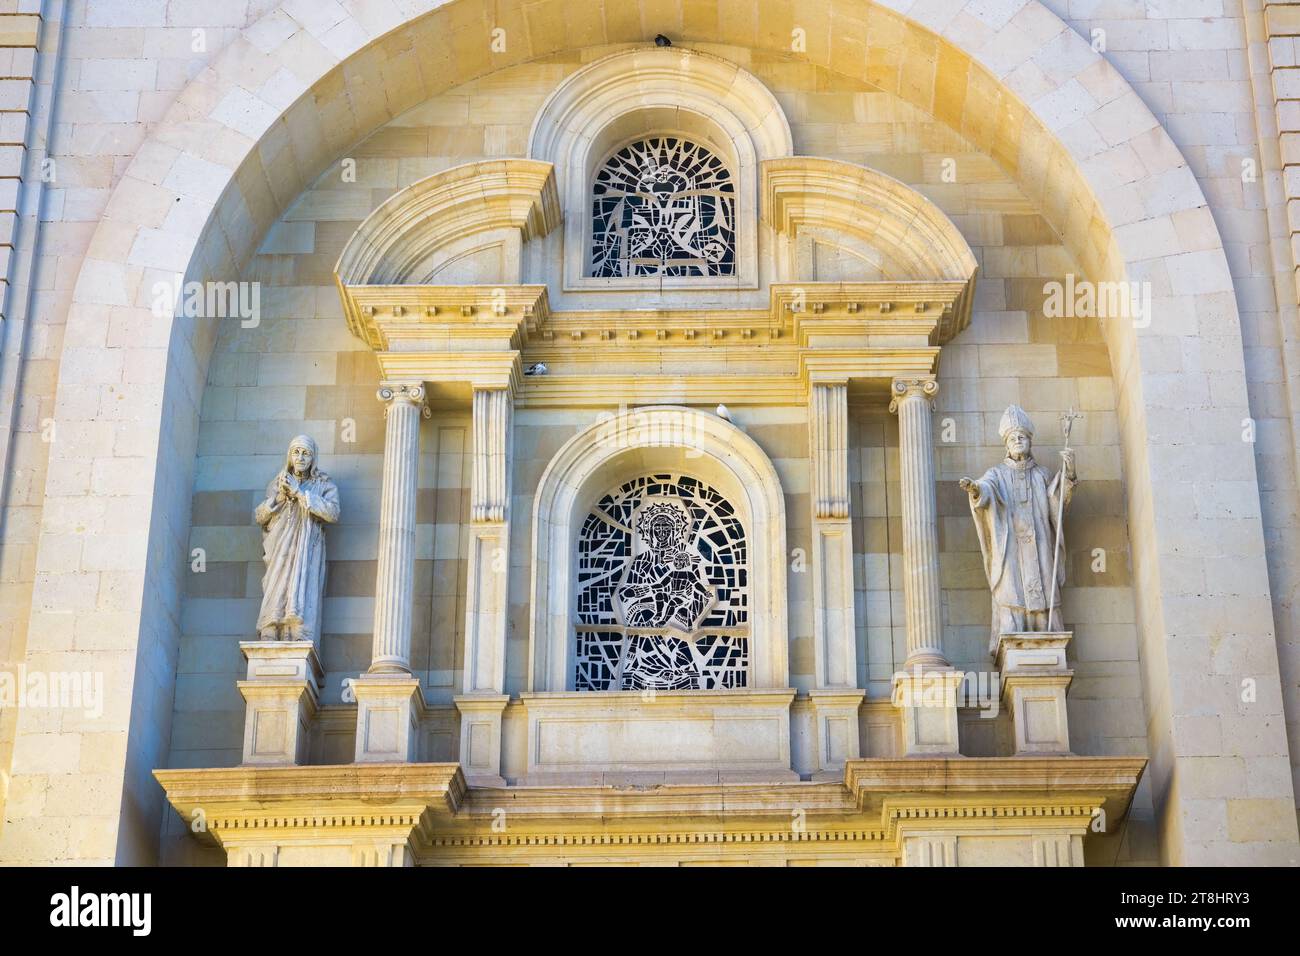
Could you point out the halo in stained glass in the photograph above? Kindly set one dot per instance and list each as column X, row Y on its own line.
column 663, row 206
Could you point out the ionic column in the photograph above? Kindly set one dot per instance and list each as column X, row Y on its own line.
column 926, row 690
column 836, row 698
column 390, row 702
column 912, row 400
column 395, row 577
column 486, row 620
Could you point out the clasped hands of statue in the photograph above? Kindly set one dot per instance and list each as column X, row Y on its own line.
column 288, row 488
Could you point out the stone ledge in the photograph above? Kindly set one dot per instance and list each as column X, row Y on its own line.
column 297, row 792
column 428, row 813
column 946, row 781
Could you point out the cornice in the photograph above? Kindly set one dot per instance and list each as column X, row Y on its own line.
column 444, row 317
column 366, row 783
column 1108, row 782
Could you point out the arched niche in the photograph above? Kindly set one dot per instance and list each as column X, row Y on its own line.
column 638, row 93
column 237, row 170
column 645, row 441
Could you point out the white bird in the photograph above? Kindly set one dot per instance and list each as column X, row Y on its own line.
column 537, row 369
column 724, row 414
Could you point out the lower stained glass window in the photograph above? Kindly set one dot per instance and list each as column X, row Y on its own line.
column 663, row 589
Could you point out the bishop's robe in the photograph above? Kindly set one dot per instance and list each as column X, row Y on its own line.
column 293, row 544
column 1015, row 518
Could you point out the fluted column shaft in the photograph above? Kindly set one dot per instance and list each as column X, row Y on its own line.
column 834, row 625
column 486, row 609
column 828, row 429
column 395, row 577
column 912, row 399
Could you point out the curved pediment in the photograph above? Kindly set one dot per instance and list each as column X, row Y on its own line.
column 872, row 218
column 447, row 217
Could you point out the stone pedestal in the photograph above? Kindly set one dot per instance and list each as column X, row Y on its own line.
column 480, row 737
column 389, row 709
column 835, row 726
column 281, row 694
column 1035, row 677
column 928, row 700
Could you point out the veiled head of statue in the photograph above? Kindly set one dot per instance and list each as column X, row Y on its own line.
column 302, row 456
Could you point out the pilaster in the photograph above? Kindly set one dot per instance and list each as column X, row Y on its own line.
column 837, row 697
column 486, row 624
column 834, row 629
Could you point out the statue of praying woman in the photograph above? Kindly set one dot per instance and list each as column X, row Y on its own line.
column 300, row 501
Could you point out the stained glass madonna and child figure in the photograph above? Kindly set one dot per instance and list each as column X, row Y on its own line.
column 662, row 587
column 663, row 590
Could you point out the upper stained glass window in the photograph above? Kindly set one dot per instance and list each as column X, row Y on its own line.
column 663, row 206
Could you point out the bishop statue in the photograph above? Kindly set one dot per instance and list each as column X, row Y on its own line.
column 1017, row 506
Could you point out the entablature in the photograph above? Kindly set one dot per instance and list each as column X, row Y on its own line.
column 325, row 814
column 485, row 336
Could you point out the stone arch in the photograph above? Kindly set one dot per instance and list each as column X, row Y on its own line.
column 277, row 107
column 641, row 441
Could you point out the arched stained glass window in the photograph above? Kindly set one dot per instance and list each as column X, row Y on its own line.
column 663, row 589
column 663, row 206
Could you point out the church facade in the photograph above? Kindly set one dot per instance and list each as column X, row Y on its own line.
column 579, row 433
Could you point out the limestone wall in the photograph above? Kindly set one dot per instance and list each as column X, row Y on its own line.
column 123, row 64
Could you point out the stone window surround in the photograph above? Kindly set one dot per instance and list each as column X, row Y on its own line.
column 661, row 92
column 637, row 442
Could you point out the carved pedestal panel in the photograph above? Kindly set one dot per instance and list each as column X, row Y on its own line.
column 1035, row 677
column 281, row 695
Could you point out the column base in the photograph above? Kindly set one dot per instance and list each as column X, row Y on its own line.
column 928, row 700
column 1035, row 677
column 480, row 737
column 835, row 730
column 281, row 696
column 389, row 710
